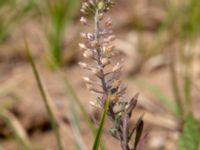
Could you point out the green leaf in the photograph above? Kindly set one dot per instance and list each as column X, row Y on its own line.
column 100, row 129
column 190, row 138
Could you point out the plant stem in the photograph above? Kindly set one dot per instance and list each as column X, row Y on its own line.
column 45, row 99
column 175, row 86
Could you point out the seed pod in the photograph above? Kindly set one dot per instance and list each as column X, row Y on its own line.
column 95, row 104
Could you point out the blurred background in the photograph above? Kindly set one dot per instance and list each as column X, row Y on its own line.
column 159, row 41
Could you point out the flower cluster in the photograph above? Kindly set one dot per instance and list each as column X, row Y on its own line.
column 90, row 6
column 105, row 80
column 98, row 47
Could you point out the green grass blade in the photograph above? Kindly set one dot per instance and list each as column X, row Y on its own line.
column 16, row 127
column 45, row 98
column 190, row 138
column 101, row 125
column 60, row 15
column 75, row 124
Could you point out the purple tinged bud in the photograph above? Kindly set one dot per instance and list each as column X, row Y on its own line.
column 90, row 36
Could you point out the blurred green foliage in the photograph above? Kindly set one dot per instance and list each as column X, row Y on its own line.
column 13, row 124
column 190, row 138
column 60, row 13
column 12, row 12
column 183, row 17
column 178, row 30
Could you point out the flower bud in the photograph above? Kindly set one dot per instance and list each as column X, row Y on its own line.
column 82, row 46
column 83, row 35
column 88, row 54
column 83, row 65
column 94, row 44
column 101, row 5
column 105, row 61
column 92, row 2
column 108, row 49
column 87, row 80
column 97, row 72
column 83, row 20
column 108, row 22
column 114, row 98
column 101, row 15
column 111, row 38
column 117, row 67
column 116, row 83
column 95, row 104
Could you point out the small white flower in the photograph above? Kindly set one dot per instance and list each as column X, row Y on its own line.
column 88, row 54
column 84, row 21
column 82, row 46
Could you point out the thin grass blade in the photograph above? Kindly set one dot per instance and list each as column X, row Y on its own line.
column 45, row 98
column 101, row 125
column 16, row 127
